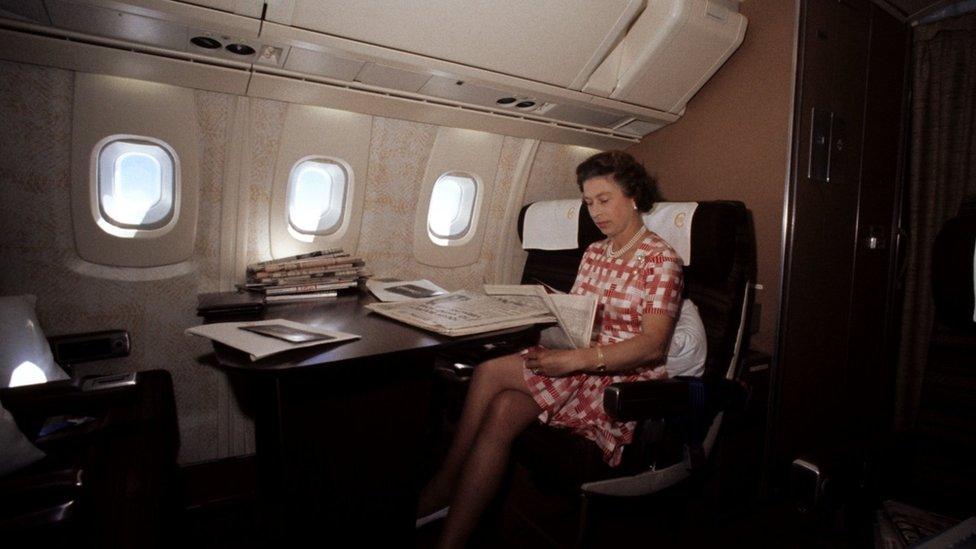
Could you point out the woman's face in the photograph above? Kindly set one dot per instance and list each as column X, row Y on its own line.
column 609, row 207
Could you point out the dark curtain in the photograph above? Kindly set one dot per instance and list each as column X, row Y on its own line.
column 942, row 173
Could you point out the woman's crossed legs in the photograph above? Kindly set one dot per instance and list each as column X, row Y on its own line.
column 498, row 407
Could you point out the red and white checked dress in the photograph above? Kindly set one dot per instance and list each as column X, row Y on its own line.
column 649, row 283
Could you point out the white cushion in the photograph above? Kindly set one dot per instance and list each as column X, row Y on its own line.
column 15, row 450
column 672, row 222
column 552, row 225
column 689, row 345
column 25, row 356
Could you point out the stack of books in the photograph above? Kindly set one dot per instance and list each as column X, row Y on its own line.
column 313, row 275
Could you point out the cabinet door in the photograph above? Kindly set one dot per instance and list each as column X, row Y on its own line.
column 843, row 184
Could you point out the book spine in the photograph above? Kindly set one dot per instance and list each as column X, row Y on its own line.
column 304, row 274
column 316, row 269
column 260, row 265
column 306, row 288
column 299, row 297
column 325, row 261
column 326, row 278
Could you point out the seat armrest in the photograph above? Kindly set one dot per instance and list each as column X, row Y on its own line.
column 32, row 404
column 86, row 347
column 656, row 399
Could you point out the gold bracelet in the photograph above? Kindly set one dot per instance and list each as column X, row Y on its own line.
column 601, row 363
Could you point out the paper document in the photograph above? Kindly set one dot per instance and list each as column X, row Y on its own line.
column 464, row 312
column 403, row 290
column 574, row 313
column 261, row 346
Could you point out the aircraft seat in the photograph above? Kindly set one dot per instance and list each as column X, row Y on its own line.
column 84, row 467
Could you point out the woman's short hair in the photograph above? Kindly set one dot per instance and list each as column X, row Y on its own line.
column 626, row 171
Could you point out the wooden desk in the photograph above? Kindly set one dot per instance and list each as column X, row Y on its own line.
column 340, row 429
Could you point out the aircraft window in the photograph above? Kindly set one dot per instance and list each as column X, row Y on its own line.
column 136, row 184
column 316, row 196
column 451, row 207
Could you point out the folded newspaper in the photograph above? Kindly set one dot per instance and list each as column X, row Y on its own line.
column 501, row 306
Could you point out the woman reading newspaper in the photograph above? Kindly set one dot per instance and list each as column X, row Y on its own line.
column 637, row 277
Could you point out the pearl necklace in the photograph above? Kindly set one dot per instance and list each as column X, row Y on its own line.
column 626, row 247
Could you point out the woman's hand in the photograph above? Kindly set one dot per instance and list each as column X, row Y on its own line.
column 555, row 363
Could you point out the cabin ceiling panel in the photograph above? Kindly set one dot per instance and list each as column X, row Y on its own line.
column 551, row 41
column 250, row 8
column 149, row 36
column 243, row 25
column 293, row 90
column 53, row 52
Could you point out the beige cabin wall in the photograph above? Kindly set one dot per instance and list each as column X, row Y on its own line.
column 733, row 142
column 37, row 239
column 39, row 254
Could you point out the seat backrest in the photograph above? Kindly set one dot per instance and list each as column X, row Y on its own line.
column 557, row 268
column 719, row 278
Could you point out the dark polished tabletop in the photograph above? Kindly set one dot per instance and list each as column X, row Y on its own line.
column 379, row 336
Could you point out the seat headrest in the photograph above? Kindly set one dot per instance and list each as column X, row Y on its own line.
column 672, row 221
column 556, row 211
column 714, row 239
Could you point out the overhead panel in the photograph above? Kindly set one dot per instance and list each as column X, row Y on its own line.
column 117, row 24
column 375, row 74
column 456, row 89
column 322, row 64
column 639, row 128
column 581, row 115
column 551, row 41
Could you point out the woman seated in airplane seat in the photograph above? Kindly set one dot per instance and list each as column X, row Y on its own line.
column 638, row 278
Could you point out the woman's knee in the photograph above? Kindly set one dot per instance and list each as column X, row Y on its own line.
column 508, row 414
column 505, row 371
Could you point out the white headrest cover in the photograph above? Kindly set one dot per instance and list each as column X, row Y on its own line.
column 552, row 225
column 672, row 222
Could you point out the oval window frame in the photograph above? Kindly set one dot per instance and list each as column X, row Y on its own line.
column 125, row 230
column 347, row 173
column 472, row 215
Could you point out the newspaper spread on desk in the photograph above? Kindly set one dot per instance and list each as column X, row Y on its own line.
column 465, row 312
column 502, row 306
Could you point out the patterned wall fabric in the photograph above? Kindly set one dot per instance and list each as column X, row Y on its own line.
column 156, row 306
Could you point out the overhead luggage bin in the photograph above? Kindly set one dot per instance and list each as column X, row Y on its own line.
column 601, row 73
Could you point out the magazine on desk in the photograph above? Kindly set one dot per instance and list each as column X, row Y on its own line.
column 263, row 338
column 501, row 306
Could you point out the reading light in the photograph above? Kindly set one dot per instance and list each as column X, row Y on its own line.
column 240, row 49
column 205, row 42
column 506, row 101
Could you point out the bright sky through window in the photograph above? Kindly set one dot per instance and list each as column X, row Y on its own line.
column 136, row 186
column 451, row 207
column 315, row 196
